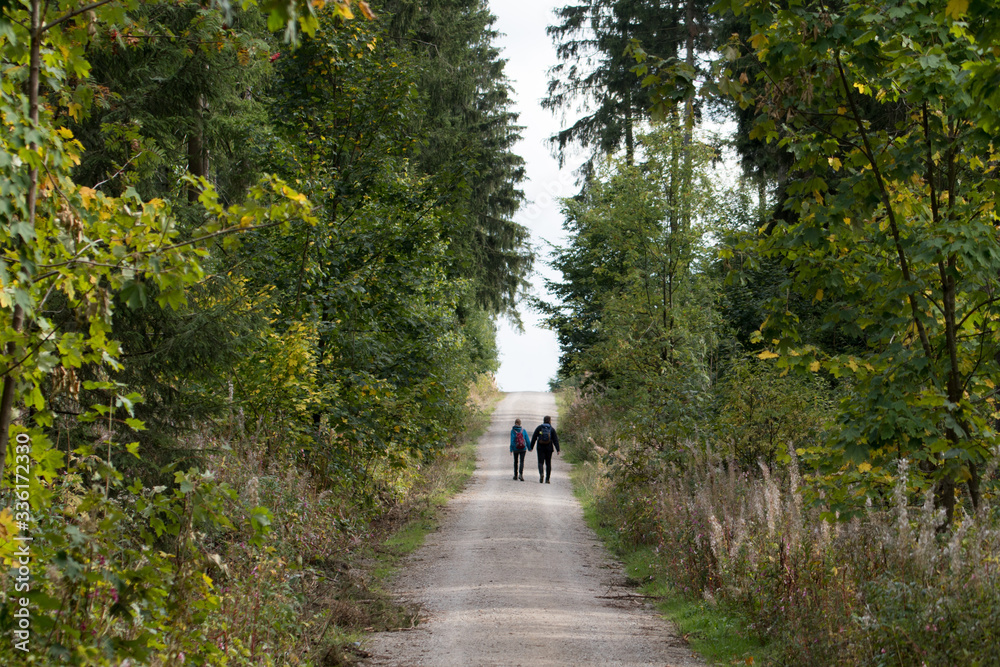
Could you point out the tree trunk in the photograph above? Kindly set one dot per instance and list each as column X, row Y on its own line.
column 629, row 137
column 197, row 153
column 974, row 492
column 689, row 103
column 762, row 199
column 17, row 321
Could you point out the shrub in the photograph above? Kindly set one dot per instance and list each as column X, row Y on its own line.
column 883, row 588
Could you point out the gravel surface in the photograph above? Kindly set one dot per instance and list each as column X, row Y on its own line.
column 514, row 576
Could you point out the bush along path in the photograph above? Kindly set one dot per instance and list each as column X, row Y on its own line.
column 753, row 574
column 514, row 576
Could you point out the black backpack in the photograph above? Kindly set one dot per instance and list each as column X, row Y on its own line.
column 545, row 435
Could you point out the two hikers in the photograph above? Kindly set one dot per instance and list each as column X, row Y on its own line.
column 544, row 437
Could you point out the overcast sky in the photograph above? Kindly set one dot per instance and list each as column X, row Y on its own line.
column 529, row 360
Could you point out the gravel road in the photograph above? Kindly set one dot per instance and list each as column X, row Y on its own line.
column 513, row 576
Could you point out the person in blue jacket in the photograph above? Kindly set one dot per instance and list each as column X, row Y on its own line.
column 546, row 438
column 519, row 446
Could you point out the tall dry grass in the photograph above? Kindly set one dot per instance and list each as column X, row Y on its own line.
column 885, row 588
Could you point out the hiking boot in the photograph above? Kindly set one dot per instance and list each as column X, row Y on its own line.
column 515, row 478
column 547, row 482
column 541, row 479
column 521, row 478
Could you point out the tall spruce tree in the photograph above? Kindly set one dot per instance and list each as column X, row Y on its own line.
column 469, row 132
column 592, row 41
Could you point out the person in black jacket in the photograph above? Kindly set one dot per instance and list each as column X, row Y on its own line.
column 546, row 438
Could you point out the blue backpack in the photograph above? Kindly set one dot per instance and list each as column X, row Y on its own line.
column 545, row 435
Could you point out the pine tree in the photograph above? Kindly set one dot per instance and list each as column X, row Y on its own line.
column 469, row 133
column 595, row 71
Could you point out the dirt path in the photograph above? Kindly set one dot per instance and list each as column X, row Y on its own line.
column 515, row 577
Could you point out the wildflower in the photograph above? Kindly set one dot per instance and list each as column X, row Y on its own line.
column 955, row 544
column 930, row 518
column 716, row 537
column 773, row 497
column 899, row 495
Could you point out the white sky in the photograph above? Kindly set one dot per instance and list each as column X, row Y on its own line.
column 529, row 360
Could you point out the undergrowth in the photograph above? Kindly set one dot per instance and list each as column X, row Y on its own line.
column 740, row 556
column 254, row 560
column 337, row 564
column 718, row 637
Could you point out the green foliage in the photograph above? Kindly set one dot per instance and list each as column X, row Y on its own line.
column 882, row 589
column 396, row 337
column 125, row 566
column 893, row 223
column 637, row 314
column 916, row 623
column 779, row 486
column 335, row 340
column 762, row 415
column 177, row 87
column 464, row 135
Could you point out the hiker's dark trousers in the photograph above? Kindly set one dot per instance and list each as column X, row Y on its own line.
column 544, row 462
column 519, row 463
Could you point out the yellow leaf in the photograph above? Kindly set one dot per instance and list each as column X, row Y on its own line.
column 344, row 9
column 8, row 532
column 75, row 110
column 865, row 467
column 758, row 40
column 65, row 132
column 956, row 8
column 835, row 163
column 87, row 194
column 767, row 354
column 814, row 366
column 819, row 295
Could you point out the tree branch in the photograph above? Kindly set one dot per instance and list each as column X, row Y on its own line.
column 76, row 12
column 890, row 212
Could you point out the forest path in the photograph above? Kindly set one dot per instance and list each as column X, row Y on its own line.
column 513, row 575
